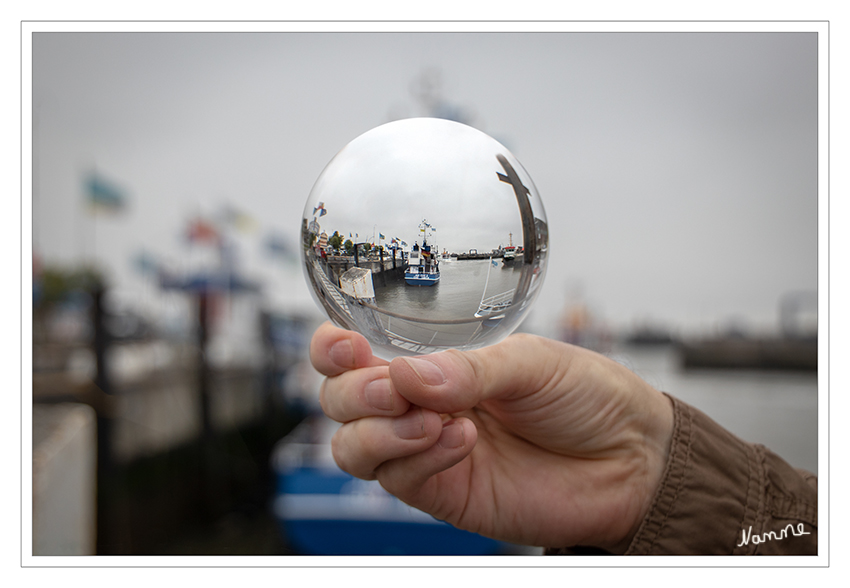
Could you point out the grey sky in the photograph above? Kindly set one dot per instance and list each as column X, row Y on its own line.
column 394, row 177
column 678, row 170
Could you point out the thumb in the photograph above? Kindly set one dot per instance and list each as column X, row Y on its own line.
column 453, row 381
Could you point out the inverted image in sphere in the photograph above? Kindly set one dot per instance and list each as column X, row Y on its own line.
column 425, row 234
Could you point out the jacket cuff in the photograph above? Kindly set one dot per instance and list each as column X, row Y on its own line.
column 721, row 495
column 711, row 479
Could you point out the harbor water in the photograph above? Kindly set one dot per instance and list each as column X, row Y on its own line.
column 777, row 409
column 456, row 296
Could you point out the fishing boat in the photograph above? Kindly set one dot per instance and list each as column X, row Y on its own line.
column 509, row 254
column 423, row 266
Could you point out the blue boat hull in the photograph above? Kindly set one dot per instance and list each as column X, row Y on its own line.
column 326, row 512
column 415, row 279
column 322, row 510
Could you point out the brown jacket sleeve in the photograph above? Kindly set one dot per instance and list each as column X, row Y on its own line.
column 721, row 495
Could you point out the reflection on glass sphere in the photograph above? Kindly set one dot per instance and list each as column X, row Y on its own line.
column 424, row 235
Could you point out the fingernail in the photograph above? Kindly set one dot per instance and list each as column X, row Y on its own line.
column 452, row 436
column 378, row 394
column 410, row 425
column 429, row 372
column 342, row 353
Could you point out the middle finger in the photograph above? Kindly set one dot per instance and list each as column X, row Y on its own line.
column 360, row 393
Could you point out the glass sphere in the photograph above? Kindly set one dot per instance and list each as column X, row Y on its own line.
column 424, row 235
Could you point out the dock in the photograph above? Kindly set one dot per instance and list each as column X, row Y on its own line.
column 796, row 354
column 382, row 269
column 461, row 256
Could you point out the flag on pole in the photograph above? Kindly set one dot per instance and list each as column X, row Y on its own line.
column 321, row 209
column 145, row 263
column 103, row 195
column 202, row 231
column 276, row 244
column 242, row 222
column 381, row 236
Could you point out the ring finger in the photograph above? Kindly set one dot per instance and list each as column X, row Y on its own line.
column 359, row 447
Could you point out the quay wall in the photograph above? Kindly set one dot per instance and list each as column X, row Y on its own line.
column 462, row 256
column 382, row 271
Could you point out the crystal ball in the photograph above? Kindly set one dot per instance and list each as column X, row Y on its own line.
column 425, row 234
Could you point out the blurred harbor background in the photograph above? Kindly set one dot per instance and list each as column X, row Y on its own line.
column 171, row 388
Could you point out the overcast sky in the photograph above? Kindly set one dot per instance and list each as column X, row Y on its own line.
column 394, row 178
column 678, row 170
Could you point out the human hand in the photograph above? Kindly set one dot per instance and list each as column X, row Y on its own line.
column 530, row 441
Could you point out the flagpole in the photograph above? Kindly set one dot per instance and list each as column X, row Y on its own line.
column 93, row 260
column 81, row 246
column 36, row 140
column 87, row 224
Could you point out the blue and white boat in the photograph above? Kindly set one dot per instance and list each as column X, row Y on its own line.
column 423, row 265
column 322, row 510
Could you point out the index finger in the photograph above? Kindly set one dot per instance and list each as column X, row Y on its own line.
column 334, row 351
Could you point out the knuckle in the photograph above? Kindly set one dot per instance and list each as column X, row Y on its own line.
column 323, row 397
column 329, row 401
column 474, row 369
column 396, row 479
column 522, row 338
column 338, row 453
column 369, row 447
column 469, row 361
column 348, row 453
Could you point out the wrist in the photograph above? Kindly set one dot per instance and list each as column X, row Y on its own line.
column 654, row 450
